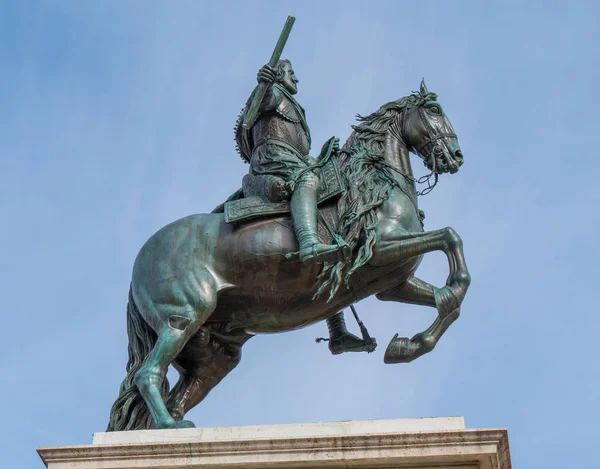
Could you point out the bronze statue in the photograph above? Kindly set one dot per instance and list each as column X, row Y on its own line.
column 268, row 261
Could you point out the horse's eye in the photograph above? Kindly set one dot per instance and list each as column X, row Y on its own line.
column 435, row 109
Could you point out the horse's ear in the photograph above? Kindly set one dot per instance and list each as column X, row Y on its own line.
column 423, row 89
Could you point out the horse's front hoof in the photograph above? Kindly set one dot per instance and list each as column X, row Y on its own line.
column 400, row 350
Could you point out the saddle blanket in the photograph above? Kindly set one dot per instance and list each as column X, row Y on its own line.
column 250, row 208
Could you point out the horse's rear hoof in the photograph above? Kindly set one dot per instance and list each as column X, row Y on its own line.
column 184, row 424
column 400, row 350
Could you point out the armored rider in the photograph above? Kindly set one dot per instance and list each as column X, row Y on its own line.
column 277, row 145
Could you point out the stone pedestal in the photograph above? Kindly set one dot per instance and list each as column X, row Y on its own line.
column 408, row 443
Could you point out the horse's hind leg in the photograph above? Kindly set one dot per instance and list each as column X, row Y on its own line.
column 201, row 369
column 177, row 324
column 189, row 389
column 416, row 291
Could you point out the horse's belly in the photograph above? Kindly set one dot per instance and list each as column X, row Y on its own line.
column 268, row 310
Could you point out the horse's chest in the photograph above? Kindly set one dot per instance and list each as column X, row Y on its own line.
column 399, row 214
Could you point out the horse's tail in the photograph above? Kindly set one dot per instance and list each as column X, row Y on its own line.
column 129, row 412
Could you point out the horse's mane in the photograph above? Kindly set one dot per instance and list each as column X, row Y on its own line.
column 368, row 181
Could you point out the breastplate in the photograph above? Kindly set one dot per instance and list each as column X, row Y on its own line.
column 273, row 125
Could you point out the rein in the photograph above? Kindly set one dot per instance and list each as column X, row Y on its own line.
column 322, row 161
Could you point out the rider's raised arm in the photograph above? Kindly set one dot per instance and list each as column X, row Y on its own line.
column 272, row 96
column 271, row 100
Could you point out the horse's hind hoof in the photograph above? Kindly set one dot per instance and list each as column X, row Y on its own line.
column 400, row 350
column 184, row 424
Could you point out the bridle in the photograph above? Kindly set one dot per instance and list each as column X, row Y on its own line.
column 432, row 136
column 432, row 139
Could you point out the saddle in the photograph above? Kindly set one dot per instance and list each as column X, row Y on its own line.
column 259, row 195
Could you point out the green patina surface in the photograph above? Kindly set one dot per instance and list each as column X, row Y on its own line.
column 202, row 286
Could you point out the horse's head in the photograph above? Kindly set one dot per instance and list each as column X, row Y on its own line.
column 427, row 132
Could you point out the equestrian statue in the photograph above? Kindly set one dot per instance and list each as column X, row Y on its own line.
column 304, row 238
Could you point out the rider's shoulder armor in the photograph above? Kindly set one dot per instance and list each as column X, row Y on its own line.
column 288, row 110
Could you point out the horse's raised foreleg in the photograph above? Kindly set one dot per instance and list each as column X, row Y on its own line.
column 397, row 247
column 416, row 291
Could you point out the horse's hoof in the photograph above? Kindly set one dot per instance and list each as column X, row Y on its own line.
column 184, row 424
column 400, row 350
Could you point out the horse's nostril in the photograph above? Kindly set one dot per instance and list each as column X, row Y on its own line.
column 458, row 155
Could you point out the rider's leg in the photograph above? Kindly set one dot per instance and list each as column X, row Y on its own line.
column 304, row 215
column 340, row 339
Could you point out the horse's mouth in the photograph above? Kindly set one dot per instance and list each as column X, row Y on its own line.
column 442, row 162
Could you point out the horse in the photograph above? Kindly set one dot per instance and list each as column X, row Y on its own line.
column 202, row 287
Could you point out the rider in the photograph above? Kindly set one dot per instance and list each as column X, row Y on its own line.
column 280, row 142
column 277, row 144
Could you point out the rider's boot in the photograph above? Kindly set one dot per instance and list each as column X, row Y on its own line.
column 304, row 214
column 340, row 340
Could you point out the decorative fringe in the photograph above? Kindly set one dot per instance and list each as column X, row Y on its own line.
column 369, row 182
column 238, row 137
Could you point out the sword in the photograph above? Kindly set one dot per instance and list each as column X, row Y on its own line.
column 252, row 113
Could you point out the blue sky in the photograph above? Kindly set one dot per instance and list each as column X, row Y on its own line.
column 117, row 119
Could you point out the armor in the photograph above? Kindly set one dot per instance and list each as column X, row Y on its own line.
column 277, row 144
column 279, row 141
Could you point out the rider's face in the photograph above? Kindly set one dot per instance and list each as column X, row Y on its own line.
column 289, row 79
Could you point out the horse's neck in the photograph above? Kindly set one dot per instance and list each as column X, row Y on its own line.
column 396, row 155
